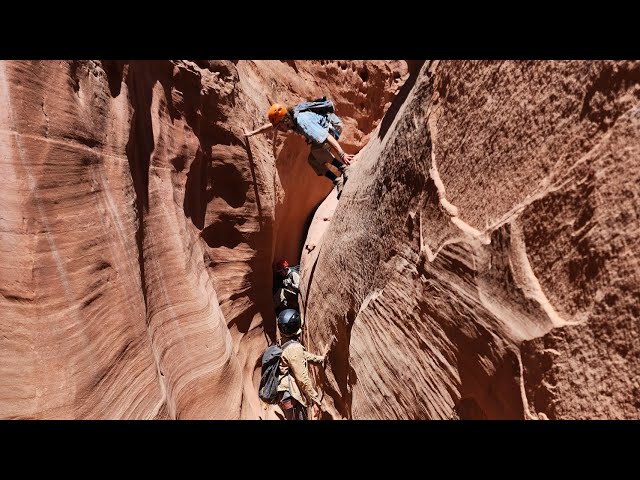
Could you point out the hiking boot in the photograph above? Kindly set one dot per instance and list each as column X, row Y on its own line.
column 339, row 183
column 345, row 172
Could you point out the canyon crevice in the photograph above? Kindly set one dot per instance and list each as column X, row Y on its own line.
column 138, row 228
column 484, row 249
column 480, row 263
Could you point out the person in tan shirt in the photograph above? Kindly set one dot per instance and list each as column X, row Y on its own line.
column 295, row 390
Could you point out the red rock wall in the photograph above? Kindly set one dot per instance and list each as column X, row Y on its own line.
column 482, row 261
column 137, row 231
column 361, row 91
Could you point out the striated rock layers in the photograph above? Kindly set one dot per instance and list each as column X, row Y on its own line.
column 137, row 230
column 483, row 260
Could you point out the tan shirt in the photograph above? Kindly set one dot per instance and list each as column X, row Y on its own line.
column 294, row 374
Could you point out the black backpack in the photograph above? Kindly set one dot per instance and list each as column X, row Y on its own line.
column 321, row 106
column 268, row 391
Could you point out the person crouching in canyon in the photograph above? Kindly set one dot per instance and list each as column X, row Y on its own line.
column 317, row 122
column 286, row 286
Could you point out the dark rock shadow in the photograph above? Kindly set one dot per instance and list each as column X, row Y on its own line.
column 399, row 100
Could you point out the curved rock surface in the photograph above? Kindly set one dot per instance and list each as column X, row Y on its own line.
column 481, row 262
column 137, row 230
column 483, row 259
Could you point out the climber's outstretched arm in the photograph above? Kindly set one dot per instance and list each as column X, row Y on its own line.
column 264, row 128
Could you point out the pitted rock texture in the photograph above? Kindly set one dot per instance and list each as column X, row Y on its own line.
column 482, row 261
column 137, row 230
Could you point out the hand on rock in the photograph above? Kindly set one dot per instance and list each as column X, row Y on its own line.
column 347, row 159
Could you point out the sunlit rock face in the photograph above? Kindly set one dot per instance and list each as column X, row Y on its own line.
column 137, row 228
column 482, row 261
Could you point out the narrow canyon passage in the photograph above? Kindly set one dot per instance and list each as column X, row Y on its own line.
column 481, row 262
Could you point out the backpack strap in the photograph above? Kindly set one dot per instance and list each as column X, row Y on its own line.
column 290, row 274
column 293, row 113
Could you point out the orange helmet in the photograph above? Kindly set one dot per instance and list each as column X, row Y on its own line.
column 276, row 112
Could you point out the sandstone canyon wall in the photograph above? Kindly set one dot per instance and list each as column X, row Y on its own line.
column 483, row 260
column 137, row 229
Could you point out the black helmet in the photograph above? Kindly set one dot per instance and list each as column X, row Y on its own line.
column 289, row 322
